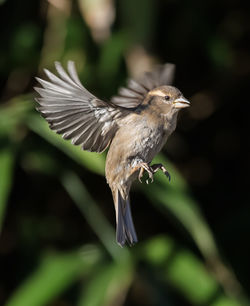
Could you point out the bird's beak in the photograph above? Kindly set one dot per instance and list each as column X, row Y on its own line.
column 181, row 103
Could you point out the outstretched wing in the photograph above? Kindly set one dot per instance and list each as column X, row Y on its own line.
column 135, row 92
column 71, row 110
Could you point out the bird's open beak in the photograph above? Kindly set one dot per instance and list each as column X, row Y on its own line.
column 181, row 103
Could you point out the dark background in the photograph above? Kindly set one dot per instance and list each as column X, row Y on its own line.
column 209, row 43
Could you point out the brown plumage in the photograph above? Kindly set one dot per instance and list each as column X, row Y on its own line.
column 136, row 124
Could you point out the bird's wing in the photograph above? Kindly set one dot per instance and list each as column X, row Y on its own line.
column 135, row 92
column 71, row 110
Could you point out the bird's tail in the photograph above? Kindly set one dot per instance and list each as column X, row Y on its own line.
column 125, row 230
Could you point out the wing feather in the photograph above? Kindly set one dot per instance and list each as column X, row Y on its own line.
column 136, row 91
column 74, row 112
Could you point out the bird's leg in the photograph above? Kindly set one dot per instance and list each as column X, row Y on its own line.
column 145, row 167
column 157, row 167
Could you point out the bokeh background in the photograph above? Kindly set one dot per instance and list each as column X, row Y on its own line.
column 57, row 241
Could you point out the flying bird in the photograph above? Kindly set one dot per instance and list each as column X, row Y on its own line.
column 135, row 125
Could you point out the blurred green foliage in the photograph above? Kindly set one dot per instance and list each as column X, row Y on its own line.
column 54, row 254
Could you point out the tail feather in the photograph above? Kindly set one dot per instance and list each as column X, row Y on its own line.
column 129, row 224
column 120, row 237
column 125, row 230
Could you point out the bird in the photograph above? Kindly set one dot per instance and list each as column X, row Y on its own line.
column 135, row 125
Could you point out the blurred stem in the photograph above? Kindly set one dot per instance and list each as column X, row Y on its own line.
column 93, row 215
column 175, row 198
column 55, row 33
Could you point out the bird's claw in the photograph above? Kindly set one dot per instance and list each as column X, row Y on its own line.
column 150, row 176
column 147, row 180
column 151, row 170
column 140, row 175
column 157, row 167
column 167, row 175
column 146, row 167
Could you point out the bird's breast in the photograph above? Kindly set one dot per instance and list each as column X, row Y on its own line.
column 144, row 138
column 148, row 143
column 137, row 140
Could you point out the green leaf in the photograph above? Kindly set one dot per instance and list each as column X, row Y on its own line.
column 55, row 273
column 7, row 157
column 13, row 113
column 109, row 286
column 190, row 276
column 181, row 268
column 92, row 161
column 225, row 301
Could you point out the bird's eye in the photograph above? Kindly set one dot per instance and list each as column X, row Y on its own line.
column 167, row 98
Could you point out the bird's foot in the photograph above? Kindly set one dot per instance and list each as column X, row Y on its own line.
column 157, row 167
column 145, row 167
column 151, row 170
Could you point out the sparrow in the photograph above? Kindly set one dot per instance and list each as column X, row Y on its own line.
column 135, row 125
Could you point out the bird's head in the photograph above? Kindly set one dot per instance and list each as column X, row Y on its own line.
column 167, row 98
